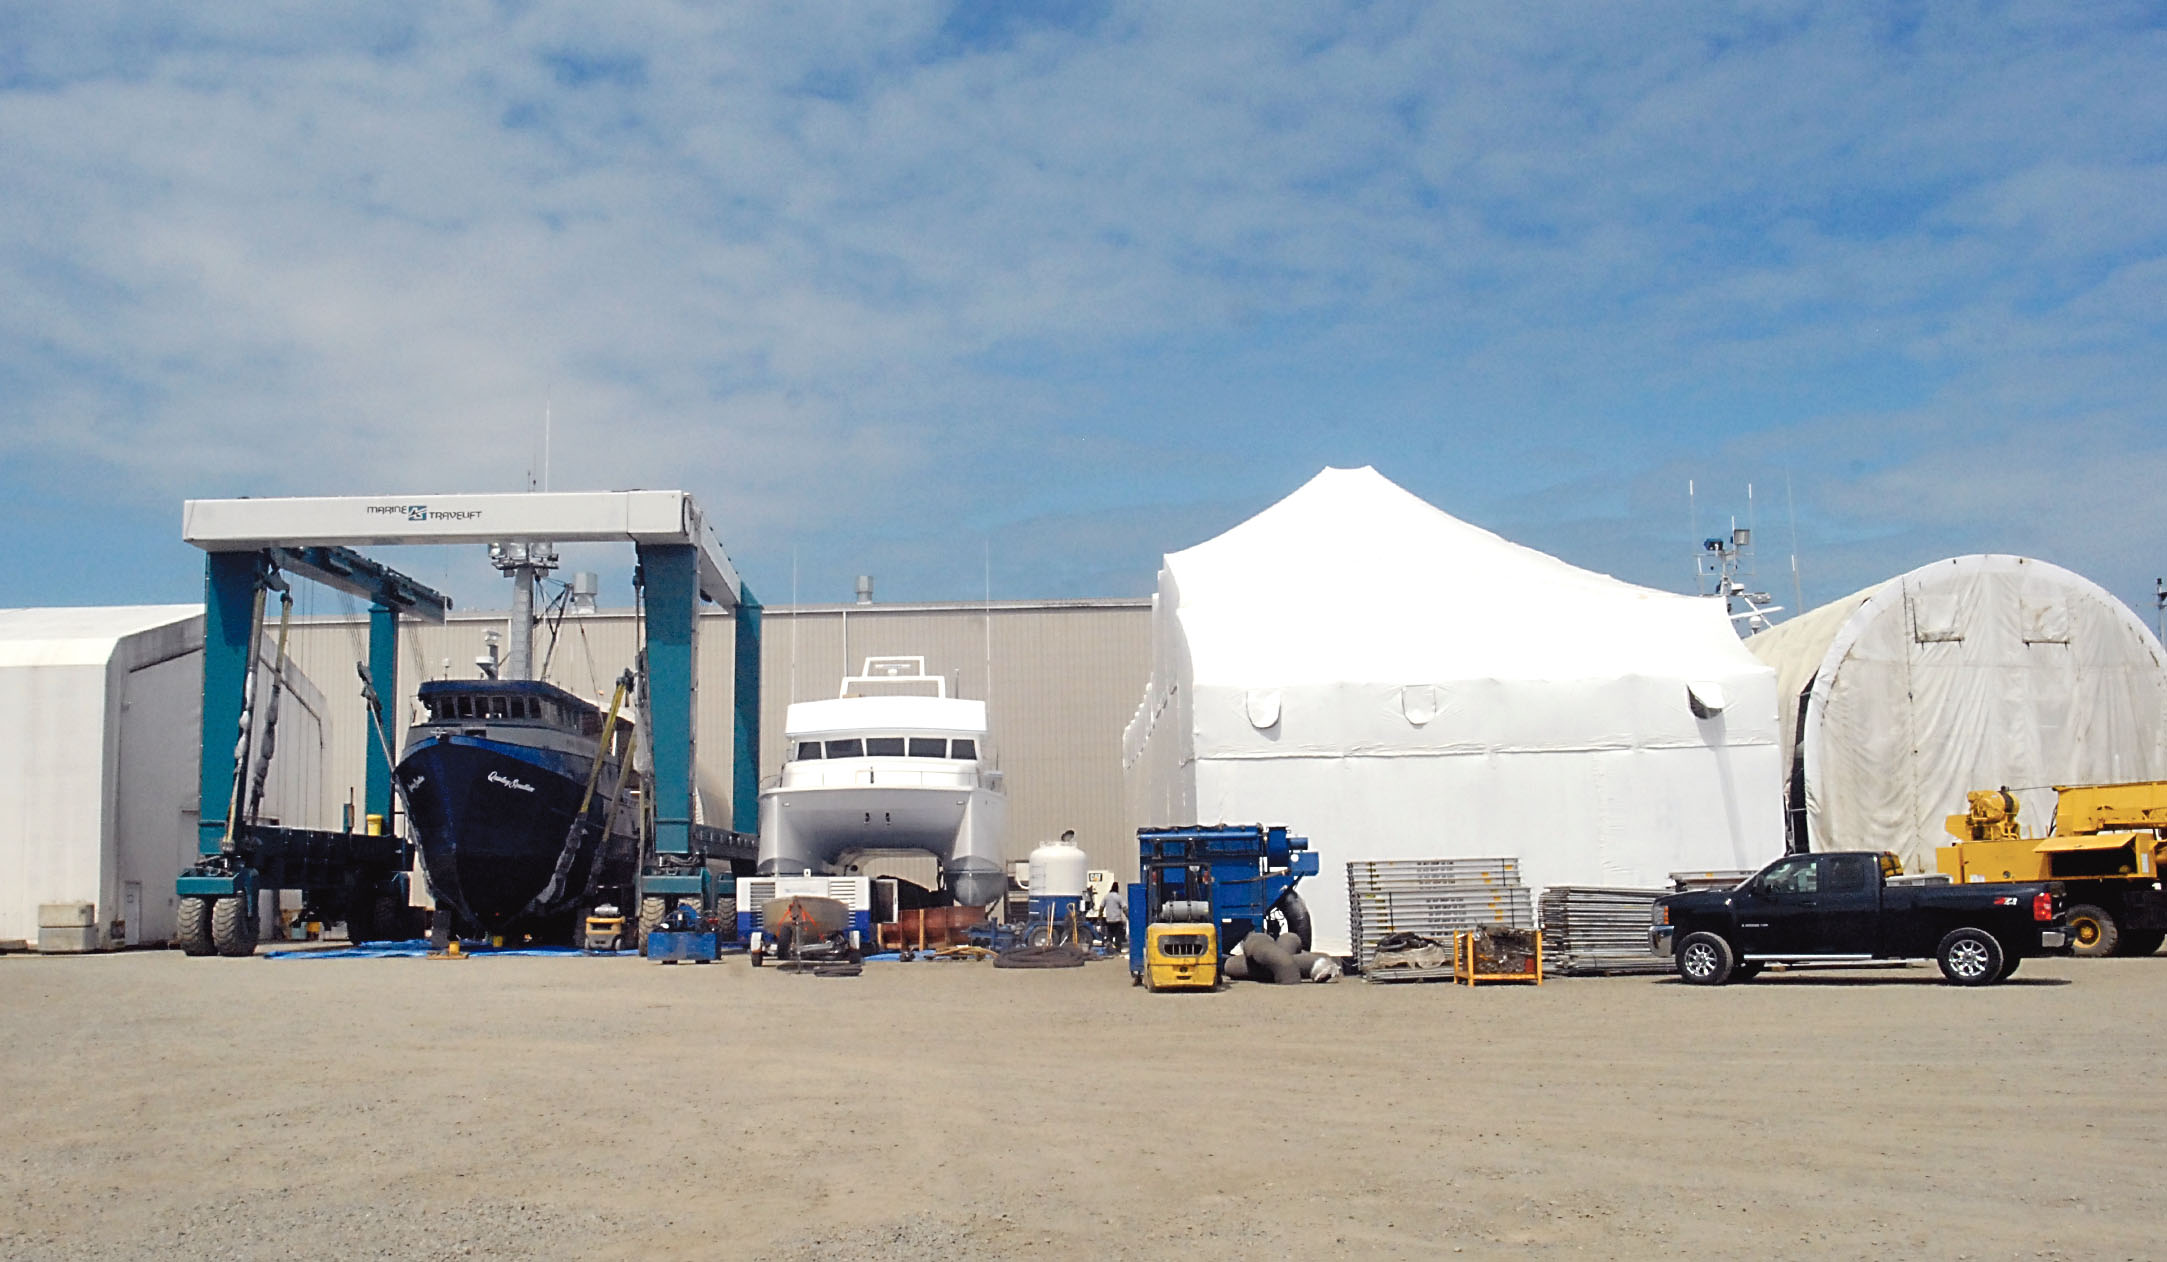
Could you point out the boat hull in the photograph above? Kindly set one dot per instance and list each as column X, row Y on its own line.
column 808, row 829
column 493, row 820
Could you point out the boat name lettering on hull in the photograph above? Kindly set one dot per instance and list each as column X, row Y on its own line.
column 498, row 777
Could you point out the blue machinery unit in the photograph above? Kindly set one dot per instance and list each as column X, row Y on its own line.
column 1245, row 873
column 251, row 544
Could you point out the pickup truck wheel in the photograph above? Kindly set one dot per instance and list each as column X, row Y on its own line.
column 2009, row 966
column 1705, row 959
column 1971, row 957
column 2092, row 931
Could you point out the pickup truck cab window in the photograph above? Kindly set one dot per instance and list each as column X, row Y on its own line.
column 1847, row 873
column 1800, row 874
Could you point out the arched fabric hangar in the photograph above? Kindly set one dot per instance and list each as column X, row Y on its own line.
column 1975, row 672
column 1395, row 683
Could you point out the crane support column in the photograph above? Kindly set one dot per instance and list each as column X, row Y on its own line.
column 384, row 677
column 229, row 637
column 672, row 577
column 745, row 699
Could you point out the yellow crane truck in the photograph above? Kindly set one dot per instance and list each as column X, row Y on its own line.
column 2105, row 846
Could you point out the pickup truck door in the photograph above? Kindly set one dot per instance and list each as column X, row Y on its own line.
column 1777, row 910
column 1848, row 920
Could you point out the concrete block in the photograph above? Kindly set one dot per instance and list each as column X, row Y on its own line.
column 67, row 915
column 67, row 939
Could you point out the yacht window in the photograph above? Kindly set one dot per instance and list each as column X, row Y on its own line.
column 534, row 707
column 808, row 749
column 928, row 747
column 884, row 746
column 846, row 749
column 496, row 708
column 963, row 749
column 466, row 707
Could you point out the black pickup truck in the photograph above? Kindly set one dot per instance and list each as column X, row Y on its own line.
column 1842, row 906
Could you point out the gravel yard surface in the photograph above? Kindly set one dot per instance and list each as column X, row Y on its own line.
column 165, row 1107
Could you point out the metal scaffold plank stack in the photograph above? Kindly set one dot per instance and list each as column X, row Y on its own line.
column 1432, row 897
column 1716, row 879
column 1590, row 930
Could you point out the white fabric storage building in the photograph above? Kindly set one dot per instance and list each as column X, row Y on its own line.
column 1392, row 682
column 99, row 717
column 1970, row 673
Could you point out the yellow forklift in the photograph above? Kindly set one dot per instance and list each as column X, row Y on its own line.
column 2105, row 845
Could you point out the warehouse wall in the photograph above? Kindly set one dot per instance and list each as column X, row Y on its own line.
column 1064, row 677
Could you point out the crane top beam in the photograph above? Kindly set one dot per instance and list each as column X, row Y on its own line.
column 638, row 517
column 349, row 571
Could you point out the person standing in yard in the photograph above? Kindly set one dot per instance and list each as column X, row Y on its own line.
column 1114, row 910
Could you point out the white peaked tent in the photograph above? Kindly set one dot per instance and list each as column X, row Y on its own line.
column 1971, row 673
column 1392, row 683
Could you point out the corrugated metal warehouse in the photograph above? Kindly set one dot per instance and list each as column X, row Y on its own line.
column 1060, row 679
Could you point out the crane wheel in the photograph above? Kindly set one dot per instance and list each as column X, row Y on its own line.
column 233, row 929
column 2142, row 943
column 2092, row 931
column 652, row 910
column 192, row 933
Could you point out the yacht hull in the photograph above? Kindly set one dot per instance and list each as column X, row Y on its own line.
column 808, row 829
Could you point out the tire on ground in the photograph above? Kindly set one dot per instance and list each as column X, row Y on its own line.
column 652, row 910
column 392, row 917
column 2093, row 931
column 1747, row 970
column 233, row 930
column 361, row 920
column 2009, row 966
column 1705, row 959
column 192, row 933
column 1971, row 957
column 2146, row 942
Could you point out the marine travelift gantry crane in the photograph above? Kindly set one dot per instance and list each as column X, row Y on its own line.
column 254, row 545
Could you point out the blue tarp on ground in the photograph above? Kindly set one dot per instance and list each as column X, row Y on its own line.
column 418, row 948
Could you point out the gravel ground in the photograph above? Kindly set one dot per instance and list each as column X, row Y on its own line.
column 163, row 1107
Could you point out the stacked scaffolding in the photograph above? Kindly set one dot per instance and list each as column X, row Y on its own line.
column 1590, row 930
column 1717, row 879
column 1435, row 898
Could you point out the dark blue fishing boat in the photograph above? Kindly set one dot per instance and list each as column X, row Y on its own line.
column 494, row 781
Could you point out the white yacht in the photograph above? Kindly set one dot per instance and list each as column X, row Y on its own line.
column 891, row 763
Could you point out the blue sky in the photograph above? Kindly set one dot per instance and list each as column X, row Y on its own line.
column 895, row 289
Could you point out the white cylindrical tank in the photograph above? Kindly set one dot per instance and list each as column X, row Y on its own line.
column 1059, row 869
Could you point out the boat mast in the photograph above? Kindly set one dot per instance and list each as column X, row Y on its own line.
column 524, row 561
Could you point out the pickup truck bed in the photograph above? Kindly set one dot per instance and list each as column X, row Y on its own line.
column 1841, row 906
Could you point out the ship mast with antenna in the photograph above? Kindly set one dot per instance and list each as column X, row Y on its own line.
column 1728, row 561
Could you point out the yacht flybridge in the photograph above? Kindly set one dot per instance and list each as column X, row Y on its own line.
column 891, row 763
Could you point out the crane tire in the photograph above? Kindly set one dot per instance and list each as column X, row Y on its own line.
column 192, row 932
column 652, row 910
column 2145, row 942
column 233, row 930
column 2093, row 931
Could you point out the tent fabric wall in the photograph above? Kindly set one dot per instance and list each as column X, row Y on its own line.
column 1973, row 672
column 1394, row 683
column 99, row 711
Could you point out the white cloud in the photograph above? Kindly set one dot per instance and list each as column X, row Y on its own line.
column 847, row 271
